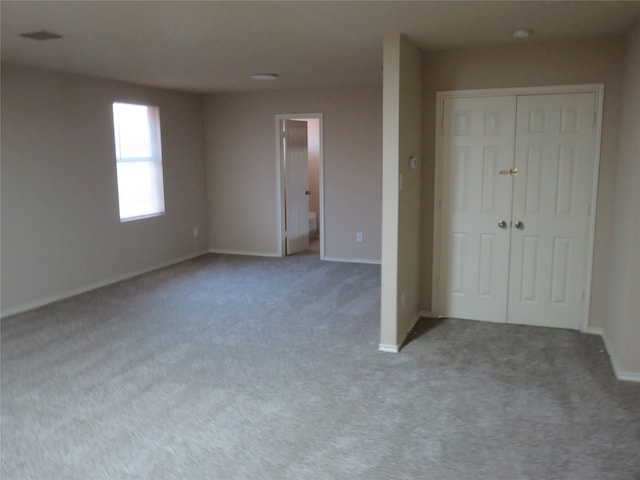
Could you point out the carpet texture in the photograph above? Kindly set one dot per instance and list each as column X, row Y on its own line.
column 228, row 367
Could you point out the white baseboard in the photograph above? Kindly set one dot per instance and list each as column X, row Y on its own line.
column 383, row 347
column 628, row 376
column 352, row 260
column 620, row 375
column 411, row 327
column 426, row 314
column 246, row 253
column 93, row 286
column 396, row 348
column 593, row 330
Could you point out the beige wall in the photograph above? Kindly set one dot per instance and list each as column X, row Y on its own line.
column 61, row 231
column 548, row 63
column 410, row 194
column 402, row 139
column 622, row 327
column 241, row 169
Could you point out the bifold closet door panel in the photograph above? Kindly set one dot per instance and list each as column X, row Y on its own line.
column 477, row 144
column 554, row 155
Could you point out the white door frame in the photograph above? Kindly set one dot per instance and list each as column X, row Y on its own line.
column 598, row 91
column 280, row 176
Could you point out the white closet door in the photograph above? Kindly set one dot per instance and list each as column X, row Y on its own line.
column 552, row 191
column 478, row 143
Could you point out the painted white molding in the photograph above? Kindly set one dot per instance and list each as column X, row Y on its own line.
column 246, row 253
column 593, row 331
column 620, row 375
column 352, row 260
column 383, row 347
column 598, row 89
column 94, row 286
column 498, row 92
column 426, row 314
column 627, row 376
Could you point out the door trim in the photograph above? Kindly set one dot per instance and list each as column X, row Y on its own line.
column 598, row 90
column 280, row 176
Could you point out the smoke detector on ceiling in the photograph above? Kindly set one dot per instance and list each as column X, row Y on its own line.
column 521, row 33
column 41, row 35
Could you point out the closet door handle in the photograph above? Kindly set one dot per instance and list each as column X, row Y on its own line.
column 519, row 225
column 502, row 224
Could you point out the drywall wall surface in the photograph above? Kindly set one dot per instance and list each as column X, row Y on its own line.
column 61, row 231
column 402, row 141
column 409, row 161
column 622, row 327
column 536, row 64
column 389, row 337
column 240, row 133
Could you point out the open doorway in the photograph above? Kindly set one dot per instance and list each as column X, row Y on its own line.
column 300, row 203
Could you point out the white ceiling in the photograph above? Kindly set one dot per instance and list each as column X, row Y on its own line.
column 215, row 46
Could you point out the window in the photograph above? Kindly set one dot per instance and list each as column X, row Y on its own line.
column 138, row 160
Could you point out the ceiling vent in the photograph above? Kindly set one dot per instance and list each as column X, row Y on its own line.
column 41, row 35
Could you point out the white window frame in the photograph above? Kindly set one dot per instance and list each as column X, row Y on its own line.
column 155, row 197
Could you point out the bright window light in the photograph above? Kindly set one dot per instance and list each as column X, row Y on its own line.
column 138, row 160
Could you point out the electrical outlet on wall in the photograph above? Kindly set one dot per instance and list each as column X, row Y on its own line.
column 195, row 232
column 359, row 237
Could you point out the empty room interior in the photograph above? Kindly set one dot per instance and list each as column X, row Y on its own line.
column 322, row 240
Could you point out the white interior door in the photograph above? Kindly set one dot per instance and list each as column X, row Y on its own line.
column 552, row 191
column 527, row 160
column 478, row 144
column 296, row 189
